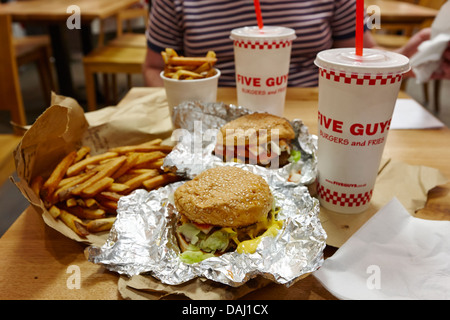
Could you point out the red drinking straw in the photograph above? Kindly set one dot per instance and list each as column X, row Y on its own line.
column 359, row 27
column 258, row 14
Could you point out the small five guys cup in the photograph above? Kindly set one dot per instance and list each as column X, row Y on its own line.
column 178, row 91
column 357, row 95
column 262, row 58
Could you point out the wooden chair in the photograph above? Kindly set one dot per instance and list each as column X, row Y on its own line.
column 9, row 81
column 11, row 98
column 17, row 52
column 37, row 49
column 124, row 54
column 130, row 38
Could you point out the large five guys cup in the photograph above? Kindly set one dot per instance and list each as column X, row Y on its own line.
column 357, row 95
column 262, row 59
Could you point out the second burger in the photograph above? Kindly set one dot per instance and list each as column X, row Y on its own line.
column 259, row 138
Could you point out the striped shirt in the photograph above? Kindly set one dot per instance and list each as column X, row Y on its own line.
column 192, row 27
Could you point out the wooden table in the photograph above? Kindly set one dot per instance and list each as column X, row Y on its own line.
column 56, row 10
column 398, row 12
column 36, row 259
column 54, row 14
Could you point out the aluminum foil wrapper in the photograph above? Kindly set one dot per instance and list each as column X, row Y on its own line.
column 197, row 127
column 142, row 241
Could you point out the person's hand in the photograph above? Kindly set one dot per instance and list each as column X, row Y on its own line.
column 416, row 40
column 411, row 49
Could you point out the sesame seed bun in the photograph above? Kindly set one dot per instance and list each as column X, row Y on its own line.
column 224, row 196
column 254, row 126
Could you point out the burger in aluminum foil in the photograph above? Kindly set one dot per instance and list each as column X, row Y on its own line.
column 143, row 239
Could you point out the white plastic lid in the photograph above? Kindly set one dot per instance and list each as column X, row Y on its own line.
column 372, row 61
column 266, row 33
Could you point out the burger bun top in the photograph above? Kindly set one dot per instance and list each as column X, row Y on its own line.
column 255, row 127
column 224, row 196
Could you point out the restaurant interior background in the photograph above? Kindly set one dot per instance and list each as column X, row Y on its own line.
column 13, row 203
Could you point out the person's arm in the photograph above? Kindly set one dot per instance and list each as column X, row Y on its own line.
column 152, row 67
column 163, row 31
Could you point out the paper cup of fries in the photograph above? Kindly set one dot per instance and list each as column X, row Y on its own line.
column 201, row 89
column 189, row 78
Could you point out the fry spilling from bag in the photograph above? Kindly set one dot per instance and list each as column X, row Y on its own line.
column 83, row 190
column 73, row 167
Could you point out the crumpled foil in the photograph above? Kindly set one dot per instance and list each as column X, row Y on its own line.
column 142, row 240
column 197, row 127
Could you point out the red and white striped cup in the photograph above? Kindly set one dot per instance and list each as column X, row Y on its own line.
column 262, row 58
column 357, row 96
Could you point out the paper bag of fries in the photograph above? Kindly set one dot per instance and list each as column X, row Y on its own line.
column 74, row 167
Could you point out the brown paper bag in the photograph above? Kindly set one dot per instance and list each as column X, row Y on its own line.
column 64, row 127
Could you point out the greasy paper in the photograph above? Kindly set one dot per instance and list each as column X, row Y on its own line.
column 64, row 127
column 148, row 288
column 141, row 119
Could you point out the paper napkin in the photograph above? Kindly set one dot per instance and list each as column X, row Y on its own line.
column 428, row 58
column 392, row 256
column 408, row 114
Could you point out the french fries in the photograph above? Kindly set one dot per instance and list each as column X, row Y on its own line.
column 83, row 190
column 52, row 182
column 188, row 68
